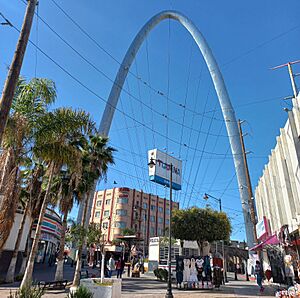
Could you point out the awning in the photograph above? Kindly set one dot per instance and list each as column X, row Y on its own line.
column 272, row 240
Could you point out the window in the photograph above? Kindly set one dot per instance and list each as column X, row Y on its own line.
column 105, row 225
column 107, row 202
column 160, row 209
column 152, row 231
column 99, row 202
column 160, row 220
column 137, row 203
column 152, row 208
column 97, row 214
column 167, row 221
column 121, row 212
column 106, row 213
column 145, row 205
column 120, row 224
column 159, row 232
column 152, row 218
column 168, row 211
column 122, row 200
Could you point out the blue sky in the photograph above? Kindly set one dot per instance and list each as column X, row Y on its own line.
column 247, row 38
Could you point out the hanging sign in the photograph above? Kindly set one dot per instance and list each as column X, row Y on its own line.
column 160, row 173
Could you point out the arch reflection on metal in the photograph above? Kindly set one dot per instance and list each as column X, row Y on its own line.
column 227, row 109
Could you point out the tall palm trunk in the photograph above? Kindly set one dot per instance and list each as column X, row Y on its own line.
column 59, row 274
column 27, row 279
column 9, row 206
column 26, row 251
column 12, row 266
column 76, row 278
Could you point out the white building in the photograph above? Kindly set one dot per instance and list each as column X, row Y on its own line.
column 278, row 191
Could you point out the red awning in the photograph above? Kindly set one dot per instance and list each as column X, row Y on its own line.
column 272, row 240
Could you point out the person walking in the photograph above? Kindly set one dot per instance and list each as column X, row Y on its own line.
column 119, row 268
column 259, row 275
column 111, row 266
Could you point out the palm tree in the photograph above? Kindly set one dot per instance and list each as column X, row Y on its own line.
column 30, row 103
column 97, row 156
column 68, row 183
column 54, row 144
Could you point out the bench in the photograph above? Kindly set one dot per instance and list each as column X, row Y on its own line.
column 53, row 285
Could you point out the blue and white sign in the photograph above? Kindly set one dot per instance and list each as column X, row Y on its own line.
column 160, row 173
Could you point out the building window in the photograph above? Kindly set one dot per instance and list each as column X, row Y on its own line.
column 105, row 225
column 168, row 211
column 122, row 200
column 106, row 213
column 107, row 202
column 167, row 221
column 97, row 214
column 159, row 232
column 137, row 203
column 108, row 194
column 160, row 220
column 152, row 231
column 121, row 212
column 160, row 209
column 152, row 208
column 145, row 205
column 120, row 224
column 99, row 202
column 152, row 218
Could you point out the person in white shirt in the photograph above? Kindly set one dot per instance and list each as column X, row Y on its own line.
column 111, row 266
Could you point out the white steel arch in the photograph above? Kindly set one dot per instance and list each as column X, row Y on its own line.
column 224, row 100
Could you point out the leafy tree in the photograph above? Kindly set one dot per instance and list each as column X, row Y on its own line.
column 200, row 225
column 128, row 232
column 54, row 144
column 94, row 234
column 30, row 103
column 97, row 156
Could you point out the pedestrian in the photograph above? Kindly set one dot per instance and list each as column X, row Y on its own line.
column 119, row 268
column 111, row 266
column 259, row 275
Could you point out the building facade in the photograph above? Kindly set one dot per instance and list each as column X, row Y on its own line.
column 120, row 208
column 277, row 194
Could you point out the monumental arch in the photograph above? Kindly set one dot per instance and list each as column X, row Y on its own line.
column 218, row 81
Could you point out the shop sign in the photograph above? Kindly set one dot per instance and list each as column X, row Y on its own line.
column 154, row 241
column 160, row 173
column 262, row 228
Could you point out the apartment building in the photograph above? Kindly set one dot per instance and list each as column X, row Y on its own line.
column 120, row 208
column 277, row 194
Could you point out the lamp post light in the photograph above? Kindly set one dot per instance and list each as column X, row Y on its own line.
column 169, row 294
column 206, row 197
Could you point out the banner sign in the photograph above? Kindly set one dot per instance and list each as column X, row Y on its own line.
column 262, row 228
column 160, row 173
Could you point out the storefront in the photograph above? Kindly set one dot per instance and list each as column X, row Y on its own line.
column 50, row 237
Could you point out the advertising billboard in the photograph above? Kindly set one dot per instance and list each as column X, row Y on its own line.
column 160, row 173
column 262, row 228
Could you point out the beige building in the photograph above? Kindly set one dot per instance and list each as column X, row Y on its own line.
column 277, row 194
column 120, row 208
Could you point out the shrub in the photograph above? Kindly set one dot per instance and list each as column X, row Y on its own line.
column 81, row 292
column 19, row 277
column 27, row 292
column 155, row 271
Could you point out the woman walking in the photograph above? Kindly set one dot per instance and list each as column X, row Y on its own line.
column 119, row 268
column 259, row 275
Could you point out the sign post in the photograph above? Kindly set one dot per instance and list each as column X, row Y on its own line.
column 162, row 167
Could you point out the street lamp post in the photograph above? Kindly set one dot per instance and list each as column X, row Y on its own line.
column 169, row 289
column 206, row 197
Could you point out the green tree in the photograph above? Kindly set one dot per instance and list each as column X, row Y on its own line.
column 54, row 144
column 128, row 232
column 97, row 156
column 30, row 103
column 196, row 224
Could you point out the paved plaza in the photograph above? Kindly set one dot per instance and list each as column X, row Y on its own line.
column 147, row 286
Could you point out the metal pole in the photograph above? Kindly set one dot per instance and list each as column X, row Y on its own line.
column 145, row 233
column 169, row 289
column 295, row 91
column 102, row 260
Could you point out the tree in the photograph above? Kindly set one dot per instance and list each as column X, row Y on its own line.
column 30, row 103
column 67, row 183
column 128, row 232
column 97, row 156
column 200, row 225
column 54, row 144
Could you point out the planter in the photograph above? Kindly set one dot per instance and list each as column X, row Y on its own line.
column 112, row 289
